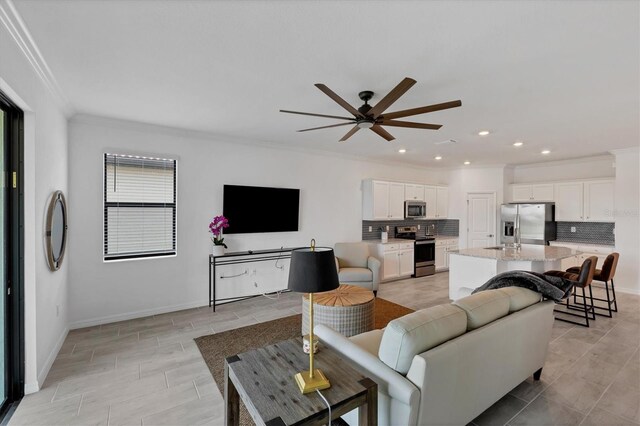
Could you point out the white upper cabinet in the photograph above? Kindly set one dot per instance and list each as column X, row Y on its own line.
column 383, row 200
column 413, row 192
column 569, row 202
column 431, row 198
column 599, row 201
column 537, row 192
column 396, row 200
column 442, row 202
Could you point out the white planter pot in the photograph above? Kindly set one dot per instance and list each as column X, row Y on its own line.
column 217, row 250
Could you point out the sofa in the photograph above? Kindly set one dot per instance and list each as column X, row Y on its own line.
column 356, row 266
column 446, row 364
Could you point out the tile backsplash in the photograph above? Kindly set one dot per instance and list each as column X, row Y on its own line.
column 447, row 227
column 587, row 232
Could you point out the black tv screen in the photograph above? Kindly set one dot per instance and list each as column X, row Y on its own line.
column 253, row 209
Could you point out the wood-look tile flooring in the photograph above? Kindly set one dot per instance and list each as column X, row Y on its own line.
column 149, row 371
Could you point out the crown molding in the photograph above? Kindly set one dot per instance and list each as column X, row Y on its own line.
column 543, row 164
column 625, row 151
column 20, row 34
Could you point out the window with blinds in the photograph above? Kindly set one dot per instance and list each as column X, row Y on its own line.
column 139, row 207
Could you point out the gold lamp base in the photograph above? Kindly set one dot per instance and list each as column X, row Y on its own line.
column 309, row 384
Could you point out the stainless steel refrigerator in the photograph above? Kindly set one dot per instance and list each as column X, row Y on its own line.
column 526, row 223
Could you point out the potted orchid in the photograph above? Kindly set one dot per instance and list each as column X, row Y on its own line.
column 215, row 228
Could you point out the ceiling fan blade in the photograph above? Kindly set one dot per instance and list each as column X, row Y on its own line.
column 382, row 132
column 422, row 110
column 338, row 100
column 350, row 133
column 325, row 127
column 410, row 124
column 392, row 96
column 317, row 115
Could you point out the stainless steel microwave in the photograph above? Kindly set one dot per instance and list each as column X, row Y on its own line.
column 415, row 209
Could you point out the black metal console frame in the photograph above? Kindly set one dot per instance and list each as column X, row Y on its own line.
column 232, row 259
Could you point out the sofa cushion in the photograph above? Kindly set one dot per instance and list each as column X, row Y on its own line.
column 355, row 275
column 369, row 341
column 520, row 298
column 484, row 307
column 419, row 331
column 352, row 255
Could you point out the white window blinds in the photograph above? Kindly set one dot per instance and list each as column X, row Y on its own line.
column 139, row 207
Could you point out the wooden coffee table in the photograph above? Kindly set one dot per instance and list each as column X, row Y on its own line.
column 264, row 380
column 347, row 309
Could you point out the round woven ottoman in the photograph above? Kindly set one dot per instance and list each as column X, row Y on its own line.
column 347, row 309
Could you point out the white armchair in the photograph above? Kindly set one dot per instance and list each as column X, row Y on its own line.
column 356, row 266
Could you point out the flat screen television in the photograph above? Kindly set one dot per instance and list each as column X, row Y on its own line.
column 254, row 209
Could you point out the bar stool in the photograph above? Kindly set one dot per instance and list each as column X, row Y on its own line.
column 604, row 275
column 581, row 280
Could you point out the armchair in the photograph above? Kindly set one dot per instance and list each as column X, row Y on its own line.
column 356, row 266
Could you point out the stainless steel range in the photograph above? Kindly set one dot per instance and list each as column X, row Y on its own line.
column 424, row 251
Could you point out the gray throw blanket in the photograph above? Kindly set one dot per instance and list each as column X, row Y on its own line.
column 554, row 288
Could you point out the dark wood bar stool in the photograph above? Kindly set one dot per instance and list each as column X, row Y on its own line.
column 581, row 280
column 604, row 275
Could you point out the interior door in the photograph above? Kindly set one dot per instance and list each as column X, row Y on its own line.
column 481, row 219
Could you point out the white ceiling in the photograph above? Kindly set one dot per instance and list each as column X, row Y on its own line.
column 561, row 75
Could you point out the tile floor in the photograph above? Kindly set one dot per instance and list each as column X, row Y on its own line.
column 148, row 371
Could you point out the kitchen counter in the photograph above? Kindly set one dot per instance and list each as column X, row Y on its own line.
column 470, row 268
column 529, row 253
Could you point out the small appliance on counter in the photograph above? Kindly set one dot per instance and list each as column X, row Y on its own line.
column 424, row 250
column 526, row 223
column 415, row 209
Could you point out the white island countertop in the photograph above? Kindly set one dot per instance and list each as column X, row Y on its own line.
column 527, row 253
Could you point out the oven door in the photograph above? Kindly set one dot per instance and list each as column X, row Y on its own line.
column 425, row 258
column 415, row 209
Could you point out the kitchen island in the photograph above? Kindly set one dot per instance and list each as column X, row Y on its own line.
column 470, row 268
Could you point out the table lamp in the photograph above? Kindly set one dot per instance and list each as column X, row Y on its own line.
column 312, row 270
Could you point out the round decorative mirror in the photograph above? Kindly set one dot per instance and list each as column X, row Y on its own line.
column 56, row 232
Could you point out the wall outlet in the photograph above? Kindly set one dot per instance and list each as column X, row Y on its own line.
column 387, row 228
column 573, row 229
column 418, row 227
column 370, row 228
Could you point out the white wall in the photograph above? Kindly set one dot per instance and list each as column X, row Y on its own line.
column 465, row 180
column 45, row 171
column 581, row 168
column 627, row 217
column 330, row 211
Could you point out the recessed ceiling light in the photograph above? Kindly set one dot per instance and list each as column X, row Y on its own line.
column 402, row 150
column 483, row 133
column 437, row 157
column 466, row 163
column 518, row 143
column 545, row 152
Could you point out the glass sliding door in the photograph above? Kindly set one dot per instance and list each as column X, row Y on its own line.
column 11, row 256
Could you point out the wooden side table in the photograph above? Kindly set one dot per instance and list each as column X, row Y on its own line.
column 263, row 379
column 349, row 310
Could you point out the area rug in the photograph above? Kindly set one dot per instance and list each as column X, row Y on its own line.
column 215, row 348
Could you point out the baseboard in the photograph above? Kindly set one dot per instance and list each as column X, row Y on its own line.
column 133, row 315
column 42, row 375
column 628, row 290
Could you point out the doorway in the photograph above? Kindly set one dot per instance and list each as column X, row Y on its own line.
column 11, row 255
column 481, row 219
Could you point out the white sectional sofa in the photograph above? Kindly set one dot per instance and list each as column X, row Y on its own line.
column 447, row 364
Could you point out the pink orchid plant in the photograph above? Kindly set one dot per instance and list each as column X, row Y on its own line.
column 215, row 227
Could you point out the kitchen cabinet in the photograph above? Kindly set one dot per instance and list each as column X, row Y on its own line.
column 383, row 200
column 442, row 202
column 396, row 259
column 534, row 192
column 413, row 192
column 443, row 247
column 591, row 201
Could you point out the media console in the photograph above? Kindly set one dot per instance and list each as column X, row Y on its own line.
column 237, row 258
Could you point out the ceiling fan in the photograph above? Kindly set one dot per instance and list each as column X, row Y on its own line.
column 373, row 117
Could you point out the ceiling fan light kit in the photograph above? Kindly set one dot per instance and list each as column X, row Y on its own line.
column 373, row 117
